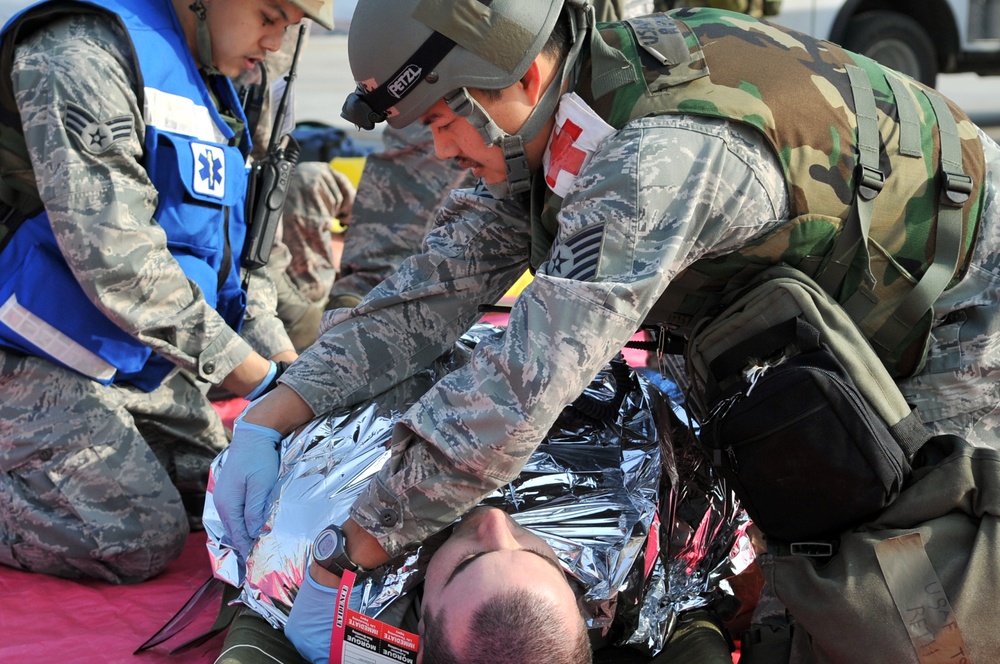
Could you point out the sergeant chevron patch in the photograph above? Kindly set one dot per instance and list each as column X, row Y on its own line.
column 577, row 257
column 94, row 135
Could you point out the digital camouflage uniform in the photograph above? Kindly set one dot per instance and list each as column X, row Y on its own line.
column 660, row 193
column 402, row 187
column 304, row 258
column 88, row 472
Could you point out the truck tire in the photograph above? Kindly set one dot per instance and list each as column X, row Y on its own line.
column 896, row 41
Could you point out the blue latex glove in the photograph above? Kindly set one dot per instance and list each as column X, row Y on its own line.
column 245, row 482
column 310, row 622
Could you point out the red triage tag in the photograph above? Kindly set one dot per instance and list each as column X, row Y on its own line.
column 360, row 639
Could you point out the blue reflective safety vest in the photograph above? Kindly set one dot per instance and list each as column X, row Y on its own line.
column 201, row 181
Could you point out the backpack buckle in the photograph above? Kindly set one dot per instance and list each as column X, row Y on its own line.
column 812, row 549
column 955, row 188
column 870, row 182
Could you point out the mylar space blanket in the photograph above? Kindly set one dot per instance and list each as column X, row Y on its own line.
column 595, row 490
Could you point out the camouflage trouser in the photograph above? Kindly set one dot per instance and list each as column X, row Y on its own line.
column 400, row 192
column 305, row 256
column 252, row 640
column 94, row 480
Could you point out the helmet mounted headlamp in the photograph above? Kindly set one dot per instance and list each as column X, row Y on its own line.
column 367, row 108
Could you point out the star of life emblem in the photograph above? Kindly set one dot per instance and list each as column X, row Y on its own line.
column 209, row 175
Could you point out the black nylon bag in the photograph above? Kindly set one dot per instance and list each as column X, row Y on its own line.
column 800, row 446
column 796, row 409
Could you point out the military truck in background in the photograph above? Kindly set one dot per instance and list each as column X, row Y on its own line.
column 922, row 38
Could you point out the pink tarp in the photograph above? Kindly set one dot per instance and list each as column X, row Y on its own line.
column 45, row 619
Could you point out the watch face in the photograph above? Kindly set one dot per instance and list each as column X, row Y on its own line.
column 326, row 544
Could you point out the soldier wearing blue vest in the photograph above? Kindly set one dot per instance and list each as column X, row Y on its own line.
column 123, row 149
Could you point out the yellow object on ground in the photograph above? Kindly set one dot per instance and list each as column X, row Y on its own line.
column 349, row 166
column 516, row 289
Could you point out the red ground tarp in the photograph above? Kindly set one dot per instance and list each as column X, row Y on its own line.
column 45, row 619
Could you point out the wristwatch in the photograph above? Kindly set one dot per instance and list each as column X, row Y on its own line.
column 329, row 549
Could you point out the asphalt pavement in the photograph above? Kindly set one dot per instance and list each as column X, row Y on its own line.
column 324, row 81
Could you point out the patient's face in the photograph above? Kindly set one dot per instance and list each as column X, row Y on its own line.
column 488, row 553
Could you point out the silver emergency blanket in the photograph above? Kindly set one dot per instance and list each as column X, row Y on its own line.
column 595, row 490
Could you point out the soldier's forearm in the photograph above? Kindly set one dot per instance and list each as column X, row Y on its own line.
column 281, row 409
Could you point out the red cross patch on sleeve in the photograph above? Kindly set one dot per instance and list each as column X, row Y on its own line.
column 577, row 133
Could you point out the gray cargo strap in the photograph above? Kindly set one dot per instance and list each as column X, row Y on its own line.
column 956, row 188
column 909, row 119
column 868, row 182
column 612, row 69
column 661, row 39
column 912, row 581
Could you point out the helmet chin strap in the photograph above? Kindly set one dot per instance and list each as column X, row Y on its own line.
column 204, row 39
column 518, row 178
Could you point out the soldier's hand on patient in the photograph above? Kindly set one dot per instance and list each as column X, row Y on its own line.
column 310, row 622
column 245, row 482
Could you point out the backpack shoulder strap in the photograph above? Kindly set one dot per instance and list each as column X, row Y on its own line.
column 956, row 187
column 852, row 244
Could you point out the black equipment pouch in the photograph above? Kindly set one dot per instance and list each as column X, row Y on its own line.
column 797, row 411
column 268, row 187
column 802, row 449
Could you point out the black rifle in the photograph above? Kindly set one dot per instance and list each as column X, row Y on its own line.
column 269, row 181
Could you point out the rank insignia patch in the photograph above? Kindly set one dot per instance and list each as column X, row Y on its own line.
column 577, row 257
column 94, row 135
column 209, row 170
